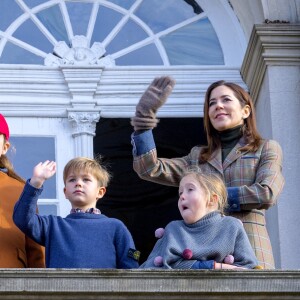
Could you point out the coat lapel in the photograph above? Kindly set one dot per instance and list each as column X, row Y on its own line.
column 216, row 161
column 235, row 153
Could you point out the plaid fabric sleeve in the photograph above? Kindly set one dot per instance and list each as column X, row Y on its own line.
column 269, row 179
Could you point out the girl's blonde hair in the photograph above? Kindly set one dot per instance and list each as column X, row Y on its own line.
column 212, row 185
column 89, row 165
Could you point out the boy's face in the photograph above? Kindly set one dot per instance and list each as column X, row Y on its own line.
column 82, row 190
column 193, row 203
column 4, row 145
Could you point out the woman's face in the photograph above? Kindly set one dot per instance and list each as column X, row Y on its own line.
column 4, row 145
column 225, row 110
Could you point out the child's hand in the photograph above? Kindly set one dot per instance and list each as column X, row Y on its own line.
column 42, row 172
column 227, row 266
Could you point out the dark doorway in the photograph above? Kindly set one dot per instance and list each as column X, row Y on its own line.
column 143, row 206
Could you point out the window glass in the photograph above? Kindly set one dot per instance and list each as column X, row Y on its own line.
column 30, row 34
column 79, row 14
column 53, row 20
column 130, row 34
column 186, row 35
column 26, row 152
column 123, row 3
column 105, row 22
column 160, row 15
column 194, row 44
column 33, row 3
column 20, row 56
column 13, row 11
column 146, row 56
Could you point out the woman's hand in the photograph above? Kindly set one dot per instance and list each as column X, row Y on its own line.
column 152, row 99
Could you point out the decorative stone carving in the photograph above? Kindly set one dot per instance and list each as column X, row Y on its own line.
column 84, row 122
column 84, row 127
column 79, row 54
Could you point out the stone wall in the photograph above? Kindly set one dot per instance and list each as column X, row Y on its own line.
column 148, row 284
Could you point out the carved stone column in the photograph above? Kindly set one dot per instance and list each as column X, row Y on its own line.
column 82, row 68
column 83, row 113
column 84, row 127
column 271, row 69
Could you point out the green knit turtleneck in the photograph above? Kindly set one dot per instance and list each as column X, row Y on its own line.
column 229, row 138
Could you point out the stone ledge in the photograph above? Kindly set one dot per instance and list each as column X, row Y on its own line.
column 269, row 44
column 148, row 284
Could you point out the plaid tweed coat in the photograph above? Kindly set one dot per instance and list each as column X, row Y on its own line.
column 258, row 176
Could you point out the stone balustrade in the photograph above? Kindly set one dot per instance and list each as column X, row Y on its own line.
column 148, row 284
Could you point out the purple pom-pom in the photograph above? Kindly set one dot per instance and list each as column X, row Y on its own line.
column 187, row 254
column 159, row 232
column 158, row 261
column 229, row 259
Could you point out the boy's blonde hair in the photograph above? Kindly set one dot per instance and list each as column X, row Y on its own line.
column 89, row 165
column 212, row 185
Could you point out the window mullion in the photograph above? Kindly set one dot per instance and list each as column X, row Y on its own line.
column 92, row 21
column 26, row 46
column 66, row 19
column 180, row 25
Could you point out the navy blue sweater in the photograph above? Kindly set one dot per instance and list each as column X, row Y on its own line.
column 81, row 240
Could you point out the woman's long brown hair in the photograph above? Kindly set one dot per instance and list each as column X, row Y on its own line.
column 249, row 128
column 6, row 164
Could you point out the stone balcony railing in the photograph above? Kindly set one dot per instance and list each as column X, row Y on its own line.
column 39, row 284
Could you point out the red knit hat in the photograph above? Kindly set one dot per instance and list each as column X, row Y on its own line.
column 4, row 127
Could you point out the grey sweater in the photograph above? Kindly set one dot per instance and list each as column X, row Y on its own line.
column 211, row 238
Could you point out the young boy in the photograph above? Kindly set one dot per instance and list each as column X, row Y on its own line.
column 205, row 237
column 85, row 238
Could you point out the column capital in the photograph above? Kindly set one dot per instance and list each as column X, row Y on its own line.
column 269, row 44
column 83, row 122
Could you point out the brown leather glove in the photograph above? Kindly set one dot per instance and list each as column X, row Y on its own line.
column 152, row 99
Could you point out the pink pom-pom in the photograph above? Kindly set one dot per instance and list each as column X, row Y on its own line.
column 187, row 254
column 158, row 261
column 229, row 259
column 159, row 232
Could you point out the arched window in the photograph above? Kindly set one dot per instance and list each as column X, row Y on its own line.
column 116, row 32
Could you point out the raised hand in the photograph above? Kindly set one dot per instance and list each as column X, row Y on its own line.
column 152, row 99
column 41, row 172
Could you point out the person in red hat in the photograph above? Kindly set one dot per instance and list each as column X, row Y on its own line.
column 16, row 249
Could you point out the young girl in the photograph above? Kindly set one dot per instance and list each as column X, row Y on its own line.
column 16, row 250
column 205, row 238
